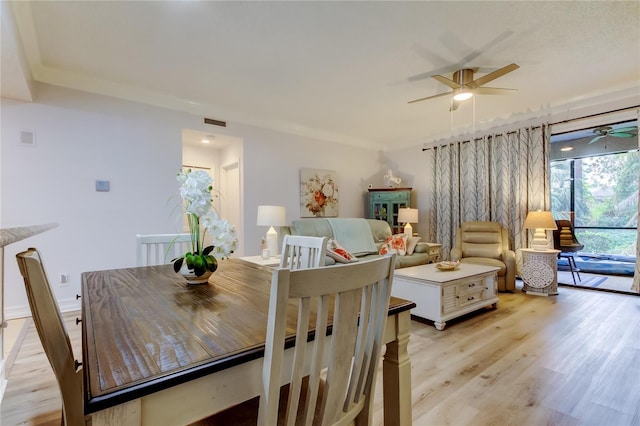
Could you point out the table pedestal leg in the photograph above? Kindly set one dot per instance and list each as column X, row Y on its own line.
column 396, row 370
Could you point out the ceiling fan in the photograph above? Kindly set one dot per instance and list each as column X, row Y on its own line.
column 464, row 86
column 604, row 131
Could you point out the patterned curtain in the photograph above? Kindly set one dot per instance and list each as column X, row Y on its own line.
column 499, row 177
column 445, row 217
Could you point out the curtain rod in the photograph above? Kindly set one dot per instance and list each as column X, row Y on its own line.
column 479, row 137
column 569, row 120
column 596, row 115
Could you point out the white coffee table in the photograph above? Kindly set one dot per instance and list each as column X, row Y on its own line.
column 443, row 295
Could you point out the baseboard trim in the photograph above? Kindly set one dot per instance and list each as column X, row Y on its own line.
column 23, row 311
column 17, row 344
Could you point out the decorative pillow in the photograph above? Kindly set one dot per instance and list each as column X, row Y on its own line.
column 412, row 242
column 395, row 244
column 339, row 253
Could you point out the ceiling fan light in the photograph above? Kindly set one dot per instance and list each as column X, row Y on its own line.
column 462, row 96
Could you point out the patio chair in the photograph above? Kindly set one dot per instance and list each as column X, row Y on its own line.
column 564, row 239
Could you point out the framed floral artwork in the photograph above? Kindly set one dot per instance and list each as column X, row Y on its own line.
column 318, row 193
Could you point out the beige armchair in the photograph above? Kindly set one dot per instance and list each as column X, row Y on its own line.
column 487, row 243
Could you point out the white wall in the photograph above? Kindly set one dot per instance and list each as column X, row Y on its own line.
column 82, row 137
column 413, row 167
column 272, row 163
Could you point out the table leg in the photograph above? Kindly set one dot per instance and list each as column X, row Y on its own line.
column 396, row 371
column 129, row 413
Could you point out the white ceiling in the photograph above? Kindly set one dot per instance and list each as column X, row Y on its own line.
column 342, row 70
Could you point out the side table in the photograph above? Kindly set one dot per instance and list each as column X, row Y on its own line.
column 434, row 252
column 540, row 271
column 259, row 260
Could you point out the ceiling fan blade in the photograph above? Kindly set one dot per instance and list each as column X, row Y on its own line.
column 447, row 81
column 492, row 76
column 454, row 105
column 625, row 129
column 430, row 97
column 493, row 91
column 621, row 135
column 596, row 139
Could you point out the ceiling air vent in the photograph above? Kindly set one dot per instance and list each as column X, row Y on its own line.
column 215, row 122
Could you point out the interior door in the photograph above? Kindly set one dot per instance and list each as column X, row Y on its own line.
column 230, row 199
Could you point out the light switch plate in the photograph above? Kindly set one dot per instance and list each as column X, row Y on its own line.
column 102, row 185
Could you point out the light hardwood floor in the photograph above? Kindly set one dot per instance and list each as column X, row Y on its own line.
column 571, row 359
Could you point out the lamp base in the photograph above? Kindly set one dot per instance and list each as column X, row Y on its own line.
column 539, row 241
column 271, row 241
column 408, row 229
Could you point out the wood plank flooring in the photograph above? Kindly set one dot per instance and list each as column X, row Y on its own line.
column 571, row 359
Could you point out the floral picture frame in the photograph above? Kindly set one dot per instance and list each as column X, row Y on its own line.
column 319, row 195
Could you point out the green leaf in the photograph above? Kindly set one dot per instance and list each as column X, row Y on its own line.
column 177, row 264
column 207, row 250
column 212, row 263
column 190, row 258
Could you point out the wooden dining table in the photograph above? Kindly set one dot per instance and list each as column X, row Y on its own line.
column 158, row 351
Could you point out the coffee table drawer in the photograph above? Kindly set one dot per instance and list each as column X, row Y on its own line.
column 470, row 298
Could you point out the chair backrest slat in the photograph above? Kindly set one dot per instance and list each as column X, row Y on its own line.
column 359, row 293
column 302, row 252
column 161, row 249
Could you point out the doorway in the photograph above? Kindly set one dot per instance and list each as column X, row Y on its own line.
column 230, row 206
column 220, row 154
column 594, row 185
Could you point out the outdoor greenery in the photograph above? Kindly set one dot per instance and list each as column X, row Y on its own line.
column 605, row 189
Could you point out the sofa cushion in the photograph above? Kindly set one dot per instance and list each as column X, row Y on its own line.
column 380, row 230
column 414, row 260
column 312, row 228
column 412, row 242
column 421, row 248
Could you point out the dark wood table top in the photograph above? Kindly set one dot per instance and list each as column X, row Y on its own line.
column 145, row 329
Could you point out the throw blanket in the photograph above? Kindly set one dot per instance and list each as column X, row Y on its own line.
column 354, row 234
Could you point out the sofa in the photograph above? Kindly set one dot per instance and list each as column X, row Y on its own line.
column 354, row 234
column 487, row 243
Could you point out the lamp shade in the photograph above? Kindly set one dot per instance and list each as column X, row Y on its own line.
column 540, row 220
column 271, row 216
column 407, row 215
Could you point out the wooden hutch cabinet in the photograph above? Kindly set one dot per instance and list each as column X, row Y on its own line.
column 384, row 204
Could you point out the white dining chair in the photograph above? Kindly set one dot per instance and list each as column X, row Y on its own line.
column 342, row 392
column 359, row 293
column 53, row 336
column 302, row 252
column 160, row 249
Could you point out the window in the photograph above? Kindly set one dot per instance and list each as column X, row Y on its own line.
column 595, row 185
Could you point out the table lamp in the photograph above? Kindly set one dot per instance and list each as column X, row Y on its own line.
column 271, row 216
column 408, row 216
column 540, row 221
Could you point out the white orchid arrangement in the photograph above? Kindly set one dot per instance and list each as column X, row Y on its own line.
column 195, row 190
